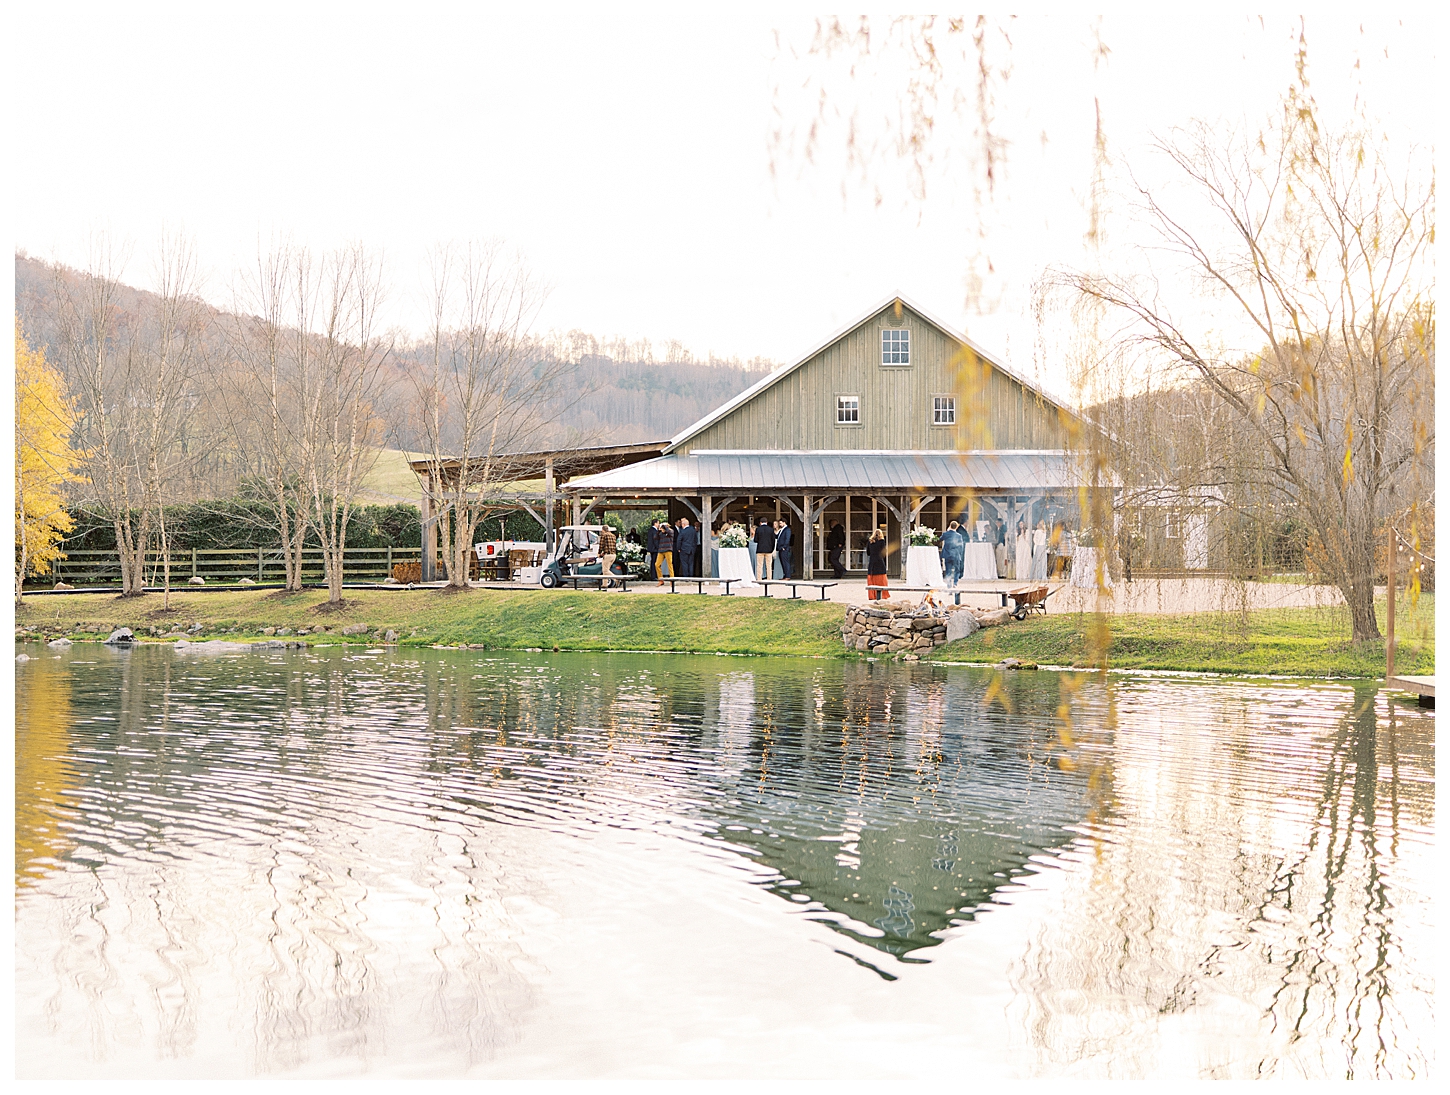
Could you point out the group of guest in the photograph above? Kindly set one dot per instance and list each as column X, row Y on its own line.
column 671, row 550
column 771, row 547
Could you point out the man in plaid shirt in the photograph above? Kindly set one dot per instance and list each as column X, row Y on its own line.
column 608, row 545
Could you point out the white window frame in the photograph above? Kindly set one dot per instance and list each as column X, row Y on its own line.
column 891, row 348
column 945, row 404
column 842, row 408
column 1173, row 525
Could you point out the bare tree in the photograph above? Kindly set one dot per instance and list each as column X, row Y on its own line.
column 1319, row 246
column 268, row 340
column 134, row 385
column 481, row 396
column 338, row 378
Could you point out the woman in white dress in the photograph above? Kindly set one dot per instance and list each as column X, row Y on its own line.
column 1024, row 554
column 1039, row 552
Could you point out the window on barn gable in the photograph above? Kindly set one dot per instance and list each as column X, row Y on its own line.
column 848, row 410
column 895, row 347
column 1173, row 525
column 943, row 410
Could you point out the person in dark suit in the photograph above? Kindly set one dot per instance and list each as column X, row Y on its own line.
column 687, row 548
column 764, row 551
column 782, row 549
column 836, row 549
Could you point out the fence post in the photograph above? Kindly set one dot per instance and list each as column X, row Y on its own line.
column 259, row 564
column 193, row 562
column 390, row 561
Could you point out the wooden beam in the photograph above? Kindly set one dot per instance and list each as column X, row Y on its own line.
column 707, row 557
column 429, row 545
column 808, row 569
column 549, row 503
column 813, row 515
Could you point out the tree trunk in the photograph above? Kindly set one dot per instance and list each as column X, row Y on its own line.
column 23, row 562
column 334, row 579
column 131, row 548
column 1363, row 624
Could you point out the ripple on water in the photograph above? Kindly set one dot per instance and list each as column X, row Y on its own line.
column 309, row 840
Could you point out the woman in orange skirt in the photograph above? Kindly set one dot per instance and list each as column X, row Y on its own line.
column 876, row 566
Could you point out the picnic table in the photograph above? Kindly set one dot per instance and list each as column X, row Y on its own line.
column 622, row 580
column 794, row 583
column 700, row 584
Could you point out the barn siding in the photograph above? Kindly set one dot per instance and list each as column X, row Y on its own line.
column 799, row 411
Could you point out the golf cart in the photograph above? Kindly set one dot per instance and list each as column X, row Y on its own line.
column 575, row 551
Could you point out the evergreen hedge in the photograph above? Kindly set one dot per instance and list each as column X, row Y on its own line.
column 246, row 526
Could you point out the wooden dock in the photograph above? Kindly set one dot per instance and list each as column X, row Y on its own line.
column 1424, row 687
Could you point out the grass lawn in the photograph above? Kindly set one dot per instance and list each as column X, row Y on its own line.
column 391, row 479
column 1309, row 642
column 494, row 618
column 1297, row 642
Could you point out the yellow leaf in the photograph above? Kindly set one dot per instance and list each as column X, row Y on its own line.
column 45, row 460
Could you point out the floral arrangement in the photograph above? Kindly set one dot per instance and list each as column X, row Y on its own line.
column 629, row 551
column 734, row 537
column 921, row 536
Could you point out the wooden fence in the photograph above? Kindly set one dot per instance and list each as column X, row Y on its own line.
column 229, row 565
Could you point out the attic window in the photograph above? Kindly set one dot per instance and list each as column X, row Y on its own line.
column 943, row 410
column 848, row 410
column 895, row 346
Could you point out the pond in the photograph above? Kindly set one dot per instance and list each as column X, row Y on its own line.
column 430, row 863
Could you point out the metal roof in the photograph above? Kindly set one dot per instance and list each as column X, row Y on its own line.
column 714, row 471
column 533, row 465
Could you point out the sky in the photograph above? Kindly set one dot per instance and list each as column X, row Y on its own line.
column 646, row 163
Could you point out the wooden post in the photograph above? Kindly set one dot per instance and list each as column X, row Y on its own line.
column 259, row 564
column 389, row 564
column 430, row 534
column 707, row 557
column 808, row 558
column 548, row 502
column 1011, row 537
column 193, row 562
column 1390, row 607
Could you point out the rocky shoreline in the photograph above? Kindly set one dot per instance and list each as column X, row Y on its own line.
column 907, row 631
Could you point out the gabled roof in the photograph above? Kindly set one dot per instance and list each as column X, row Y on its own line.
column 784, row 371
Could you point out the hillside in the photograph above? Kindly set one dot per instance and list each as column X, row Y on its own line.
column 613, row 391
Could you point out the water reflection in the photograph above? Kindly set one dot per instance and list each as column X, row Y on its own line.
column 363, row 857
column 886, row 817
column 1245, row 880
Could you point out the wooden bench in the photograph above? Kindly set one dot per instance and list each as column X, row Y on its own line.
column 956, row 594
column 794, row 584
column 701, row 583
column 622, row 580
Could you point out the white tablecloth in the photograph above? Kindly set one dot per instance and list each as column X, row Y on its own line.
column 735, row 563
column 923, row 567
column 1085, row 569
column 980, row 563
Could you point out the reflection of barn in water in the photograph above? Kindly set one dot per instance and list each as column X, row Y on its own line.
column 898, row 807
